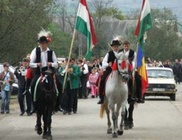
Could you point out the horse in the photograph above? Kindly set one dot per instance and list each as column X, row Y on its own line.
column 128, row 120
column 116, row 93
column 46, row 97
column 136, row 93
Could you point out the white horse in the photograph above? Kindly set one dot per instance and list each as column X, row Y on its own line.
column 116, row 94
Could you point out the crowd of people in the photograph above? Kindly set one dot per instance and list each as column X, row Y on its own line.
column 175, row 65
column 77, row 78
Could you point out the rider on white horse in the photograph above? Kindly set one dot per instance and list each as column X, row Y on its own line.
column 107, row 64
column 132, row 59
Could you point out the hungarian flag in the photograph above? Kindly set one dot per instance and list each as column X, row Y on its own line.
column 85, row 26
column 143, row 25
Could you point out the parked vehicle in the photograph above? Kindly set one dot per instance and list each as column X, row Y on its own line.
column 161, row 82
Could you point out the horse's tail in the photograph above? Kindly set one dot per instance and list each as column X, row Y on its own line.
column 102, row 110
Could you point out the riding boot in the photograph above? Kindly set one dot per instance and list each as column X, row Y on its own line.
column 101, row 93
column 101, row 101
column 131, row 100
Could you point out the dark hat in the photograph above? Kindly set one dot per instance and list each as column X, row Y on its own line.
column 43, row 39
column 115, row 43
column 126, row 42
column 25, row 60
column 5, row 64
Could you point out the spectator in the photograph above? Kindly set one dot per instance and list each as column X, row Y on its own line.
column 7, row 79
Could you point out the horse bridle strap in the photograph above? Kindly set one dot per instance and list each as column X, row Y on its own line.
column 35, row 89
column 120, row 72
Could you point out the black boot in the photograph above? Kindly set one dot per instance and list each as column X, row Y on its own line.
column 101, row 101
column 131, row 100
column 140, row 100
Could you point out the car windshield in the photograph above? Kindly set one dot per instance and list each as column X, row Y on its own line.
column 156, row 73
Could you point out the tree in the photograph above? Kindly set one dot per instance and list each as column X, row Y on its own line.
column 20, row 22
column 163, row 42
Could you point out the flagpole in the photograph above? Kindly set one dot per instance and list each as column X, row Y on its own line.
column 133, row 74
column 71, row 48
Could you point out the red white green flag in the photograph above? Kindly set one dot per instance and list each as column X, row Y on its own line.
column 85, row 26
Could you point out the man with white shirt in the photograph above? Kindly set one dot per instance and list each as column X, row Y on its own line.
column 107, row 68
column 41, row 59
column 132, row 59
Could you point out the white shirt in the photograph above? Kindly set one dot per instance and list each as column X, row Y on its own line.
column 85, row 66
column 134, row 59
column 43, row 58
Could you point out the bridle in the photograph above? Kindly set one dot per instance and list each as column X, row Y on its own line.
column 123, row 74
column 45, row 76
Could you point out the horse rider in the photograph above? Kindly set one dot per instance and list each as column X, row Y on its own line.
column 107, row 67
column 42, row 59
column 132, row 59
column 108, row 62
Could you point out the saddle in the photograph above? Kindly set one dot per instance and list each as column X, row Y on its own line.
column 99, row 82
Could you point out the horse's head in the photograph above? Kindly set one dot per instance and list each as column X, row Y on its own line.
column 124, row 66
column 48, row 80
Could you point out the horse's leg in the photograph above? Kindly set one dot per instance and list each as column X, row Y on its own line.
column 126, row 127
column 123, row 118
column 109, row 129
column 47, row 122
column 38, row 127
column 44, row 136
column 130, row 117
column 114, row 119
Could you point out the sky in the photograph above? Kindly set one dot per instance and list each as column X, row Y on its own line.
column 130, row 5
column 126, row 6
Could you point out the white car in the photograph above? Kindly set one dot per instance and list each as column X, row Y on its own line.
column 161, row 82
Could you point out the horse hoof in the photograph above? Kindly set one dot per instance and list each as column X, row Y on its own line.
column 126, row 127
column 131, row 126
column 44, row 136
column 120, row 132
column 49, row 137
column 109, row 130
column 114, row 135
column 39, row 131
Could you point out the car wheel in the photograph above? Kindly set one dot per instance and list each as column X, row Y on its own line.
column 173, row 97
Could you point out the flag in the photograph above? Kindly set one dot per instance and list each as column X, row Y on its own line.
column 85, row 26
column 143, row 25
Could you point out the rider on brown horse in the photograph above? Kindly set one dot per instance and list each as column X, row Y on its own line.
column 42, row 58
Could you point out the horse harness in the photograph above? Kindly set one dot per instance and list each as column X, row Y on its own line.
column 123, row 66
column 45, row 91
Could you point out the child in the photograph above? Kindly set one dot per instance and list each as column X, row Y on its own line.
column 92, row 81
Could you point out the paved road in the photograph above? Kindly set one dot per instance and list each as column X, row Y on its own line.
column 157, row 119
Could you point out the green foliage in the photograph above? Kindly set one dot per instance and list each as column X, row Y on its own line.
column 162, row 41
column 20, row 22
column 111, row 11
column 60, row 41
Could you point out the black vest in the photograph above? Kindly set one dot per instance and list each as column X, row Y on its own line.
column 38, row 58
column 38, row 55
column 111, row 57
